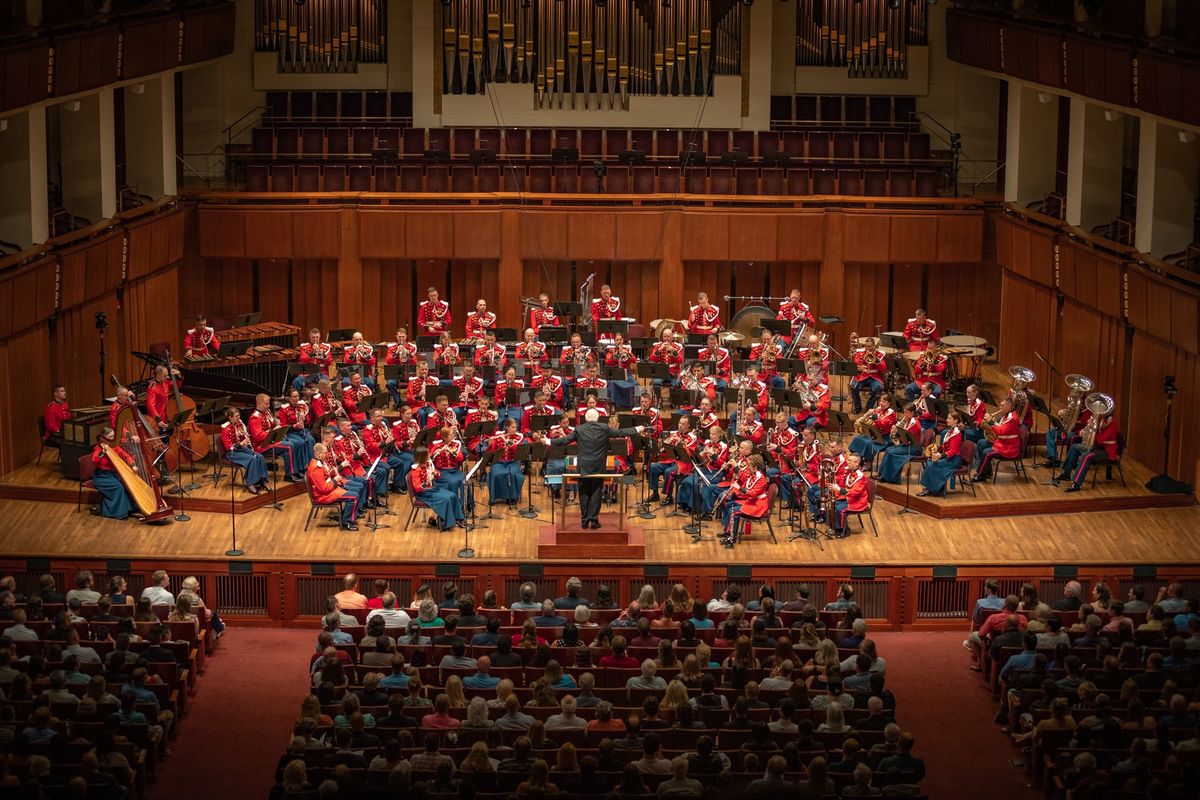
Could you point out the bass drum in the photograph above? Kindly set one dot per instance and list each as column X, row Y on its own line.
column 748, row 320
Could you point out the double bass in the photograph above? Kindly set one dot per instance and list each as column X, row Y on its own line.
column 189, row 438
column 143, row 485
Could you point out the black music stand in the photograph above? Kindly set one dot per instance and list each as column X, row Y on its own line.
column 340, row 335
column 792, row 365
column 730, row 395
column 273, row 438
column 843, row 420
column 423, row 437
column 432, row 393
column 892, row 340
column 505, row 334
column 234, row 551
column 514, row 396
column 778, row 327
column 653, row 370
column 230, row 349
column 296, row 369
column 686, row 398
column 375, row 524
column 482, row 428
column 374, row 401
column 528, row 453
column 210, row 409
column 426, row 343
column 252, row 318
column 397, row 372
column 566, row 310
column 616, row 373
column 543, row 422
column 907, row 438
column 553, row 334
column 846, row 369
column 612, row 327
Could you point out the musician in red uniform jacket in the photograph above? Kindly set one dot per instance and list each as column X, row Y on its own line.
column 945, row 461
column 470, row 389
column 479, row 321
column 414, row 391
column 296, row 416
column 482, row 413
column 976, row 411
column 352, row 395
column 540, row 407
column 620, row 354
column 767, row 352
column 783, row 444
column 854, row 496
column 239, row 450
column 326, row 487
column 669, row 352
column 551, row 384
column 491, row 353
column 931, row 368
column 795, row 312
column 591, row 380
column 1079, row 460
column 360, row 351
column 646, row 409
column 201, row 340
column 920, row 331
column 447, row 353
column 667, row 467
column 400, row 353
column 55, row 414
column 159, row 392
column 531, row 352
column 115, row 500
column 750, row 498
column 1007, row 444
column 871, row 371
column 576, row 356
column 500, row 395
column 442, row 415
column 606, row 306
column 262, row 423
column 314, row 351
column 377, row 437
column 816, row 412
column 719, row 356
column 433, row 315
column 703, row 317
column 542, row 314
column 505, row 478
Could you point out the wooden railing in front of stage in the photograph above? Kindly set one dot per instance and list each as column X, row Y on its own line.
column 893, row 598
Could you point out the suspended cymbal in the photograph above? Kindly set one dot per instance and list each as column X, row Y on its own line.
column 732, row 337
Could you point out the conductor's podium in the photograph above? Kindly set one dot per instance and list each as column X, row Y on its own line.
column 567, row 539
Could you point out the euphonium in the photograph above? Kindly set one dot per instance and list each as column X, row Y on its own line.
column 1068, row 416
column 1021, row 377
column 1101, row 406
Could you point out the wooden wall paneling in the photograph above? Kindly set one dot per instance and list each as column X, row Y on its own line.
column 866, row 287
column 866, row 237
column 1151, row 360
column 639, row 236
column 430, row 234
column 906, row 296
column 1077, row 344
column 705, row 237
column 544, row 235
column 316, row 234
column 960, row 238
column 1185, row 316
column 274, row 299
column 221, row 232
column 1026, row 311
column 269, row 234
column 553, row 277
column 753, row 237
column 477, row 234
column 315, row 294
column 143, row 320
column 800, row 237
column 26, row 359
column 396, row 304
column 1041, row 258
column 434, row 272
column 381, row 234
column 712, row 277
column 787, row 275
column 964, row 298
column 748, row 279
column 914, row 238
column 592, row 236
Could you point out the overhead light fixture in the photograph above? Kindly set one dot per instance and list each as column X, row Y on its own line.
column 1185, row 137
column 1045, row 97
column 1112, row 116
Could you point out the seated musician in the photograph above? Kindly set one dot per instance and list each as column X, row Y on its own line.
column 898, row 454
column 920, row 331
column 433, row 315
column 481, row 413
column 754, row 386
column 470, row 389
column 606, row 306
column 125, row 399
column 553, row 385
column 1080, row 458
column 446, row 352
column 1056, row 438
column 55, row 414
column 531, row 353
column 852, row 496
column 575, row 357
column 442, row 414
column 815, row 354
column 711, row 458
column 360, row 351
column 703, row 317
column 200, row 341
column 159, row 393
column 619, row 354
column 327, row 486
column 945, row 460
column 811, row 456
column 719, row 356
column 352, row 451
column 694, row 380
column 667, row 467
column 767, row 352
column 750, row 498
column 750, row 428
column 704, row 417
column 425, row 477
column 925, row 412
column 400, row 353
column 415, row 392
column 621, row 454
column 882, row 417
column 930, row 367
column 448, row 455
column 783, row 444
column 509, row 381
column 540, row 407
column 479, row 321
column 976, row 411
column 590, row 400
column 543, row 314
column 262, row 423
column 239, row 450
column 670, row 352
column 379, row 440
column 505, row 478
column 795, row 312
column 490, row 353
column 558, row 466
column 115, row 500
column 296, row 415
column 646, row 409
column 739, row 460
column 1007, row 429
column 314, row 351
column 815, row 412
column 871, row 370
column 404, row 433
column 354, row 393
column 339, row 465
column 591, row 380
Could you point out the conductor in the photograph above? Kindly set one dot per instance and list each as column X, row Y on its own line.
column 592, row 437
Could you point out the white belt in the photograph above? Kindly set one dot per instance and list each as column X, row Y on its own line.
column 1009, row 436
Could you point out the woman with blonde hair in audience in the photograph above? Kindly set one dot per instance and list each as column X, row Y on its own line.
column 646, row 599
column 543, row 695
column 454, row 691
column 681, row 598
column 675, row 696
column 477, row 716
column 690, row 674
column 835, row 720
column 742, row 656
column 1037, row 621
column 567, row 760
column 807, row 636
column 825, row 659
column 183, row 612
column 704, row 654
column 667, row 618
column 737, row 615
column 424, row 592
column 416, row 692
column 538, row 784
column 556, row 679
column 295, row 780
column 503, row 689
column 427, row 615
column 538, row 737
column 477, row 759
column 1085, row 696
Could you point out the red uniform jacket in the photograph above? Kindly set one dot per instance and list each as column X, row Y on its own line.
column 321, row 354
column 978, row 411
column 493, row 356
column 261, row 426
column 375, row 439
column 787, row 442
column 535, row 353
column 795, row 314
column 506, row 444
column 763, row 395
column 690, row 442
column 767, row 364
column 1106, row 437
column 702, row 421
column 320, row 478
column 885, row 420
column 655, row 426
column 856, row 491
column 235, row 436
column 423, row 476
column 754, row 431
column 720, row 357
column 414, row 391
column 810, row 458
column 542, row 316
column 194, row 343
column 951, row 442
column 349, row 356
column 433, row 318
column 351, row 397
column 468, row 394
column 476, row 324
column 625, row 359
column 713, row 455
column 446, row 455
column 935, row 373
column 405, row 433
column 157, row 394
column 531, row 410
column 752, row 494
column 295, row 416
column 54, row 416
column 350, row 458
column 447, row 354
column 602, row 309
column 552, row 385
column 101, row 460
column 704, row 320
column 823, row 402
column 585, row 383
column 501, row 390
column 436, row 420
column 401, row 354
column 918, row 335
column 566, row 356
column 1008, row 437
column 669, row 353
column 868, row 366
column 478, row 415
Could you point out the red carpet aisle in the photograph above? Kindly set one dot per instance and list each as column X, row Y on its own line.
column 948, row 708
column 240, row 720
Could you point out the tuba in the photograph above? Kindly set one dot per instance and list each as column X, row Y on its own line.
column 1068, row 416
column 1021, row 377
column 1101, row 406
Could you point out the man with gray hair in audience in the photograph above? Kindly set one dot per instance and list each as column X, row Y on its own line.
column 156, row 592
column 566, row 720
column 528, row 598
column 393, row 617
column 1070, row 601
column 572, row 598
column 780, row 679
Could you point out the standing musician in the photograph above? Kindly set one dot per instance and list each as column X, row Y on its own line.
column 314, row 351
column 711, row 459
column 414, row 392
column 945, row 459
column 620, row 355
column 976, row 412
column 509, row 381
column 606, row 306
column 481, row 413
column 360, row 351
column 351, row 448
column 783, row 444
column 882, row 417
column 1007, row 429
column 491, row 353
column 667, row 467
column 115, row 500
column 815, row 353
column 479, row 321
column 1080, row 456
column 795, row 312
column 448, row 455
column 670, row 352
column 354, row 394
column 750, row 497
column 239, row 450
column 853, row 497
column 920, row 331
column 767, row 352
column 931, row 367
column 871, row 370
column 441, row 416
column 336, row 465
column 433, row 315
column 558, row 466
column 591, row 380
column 703, row 317
column 159, row 392
column 200, row 341
column 553, row 385
column 719, row 356
column 816, row 411
column 505, row 478
column 531, row 353
column 425, row 478
column 328, row 487
column 542, row 314
column 404, row 433
column 898, row 454
column 379, row 440
column 446, row 352
column 262, row 423
column 55, row 414
column 125, row 399
column 540, row 407
column 925, row 412
column 297, row 416
column 574, row 357
column 696, row 381
column 470, row 388
column 401, row 353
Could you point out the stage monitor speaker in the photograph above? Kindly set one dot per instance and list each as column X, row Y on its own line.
column 321, row 568
column 37, row 565
column 948, row 571
column 564, row 155
column 654, row 571
column 446, row 570
column 738, row 571
column 530, row 571
column 1067, row 571
column 1147, row 571
column 862, row 573
column 241, row 567
column 117, row 565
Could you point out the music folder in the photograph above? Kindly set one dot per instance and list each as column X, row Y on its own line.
column 653, row 369
column 432, row 393
column 481, row 428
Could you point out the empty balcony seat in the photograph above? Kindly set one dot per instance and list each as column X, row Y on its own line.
column 488, row 179
column 894, row 147
column 362, row 142
column 488, row 139
column 901, row 183
column 617, row 179
column 856, row 110
column 642, row 140
column 386, row 178
column 262, row 142
column 747, row 180
column 257, row 176
column 359, row 178
column 337, row 142
column 312, row 143
column 666, row 143
column 771, row 142
column 375, row 105
column 301, row 106
column 412, row 178
column 439, row 139
column 327, row 107
column 720, row 180
column 516, row 142
column 869, row 146
column 308, row 178
column 793, row 144
column 643, row 180
column 591, row 143
column 540, row 142
column 798, row 182
column 566, row 179
column 616, row 141
column 463, row 141
column 927, row 183
column 414, row 142
column 566, row 139
column 744, row 141
column 541, row 179
column 287, row 142
column 351, row 105
column 333, row 178
column 283, row 178
column 850, row 182
column 805, row 112
column 818, row 146
column 824, row 181
column 437, row 178
column 880, row 112
column 918, row 147
column 717, row 143
column 772, row 181
column 874, row 183
column 462, row 178
column 669, row 180
column 843, row 146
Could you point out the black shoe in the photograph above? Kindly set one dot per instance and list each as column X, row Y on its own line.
column 433, row 523
column 350, row 527
column 1074, row 487
column 1050, row 463
column 653, row 498
column 666, row 501
column 292, row 479
column 1056, row 480
column 1060, row 477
